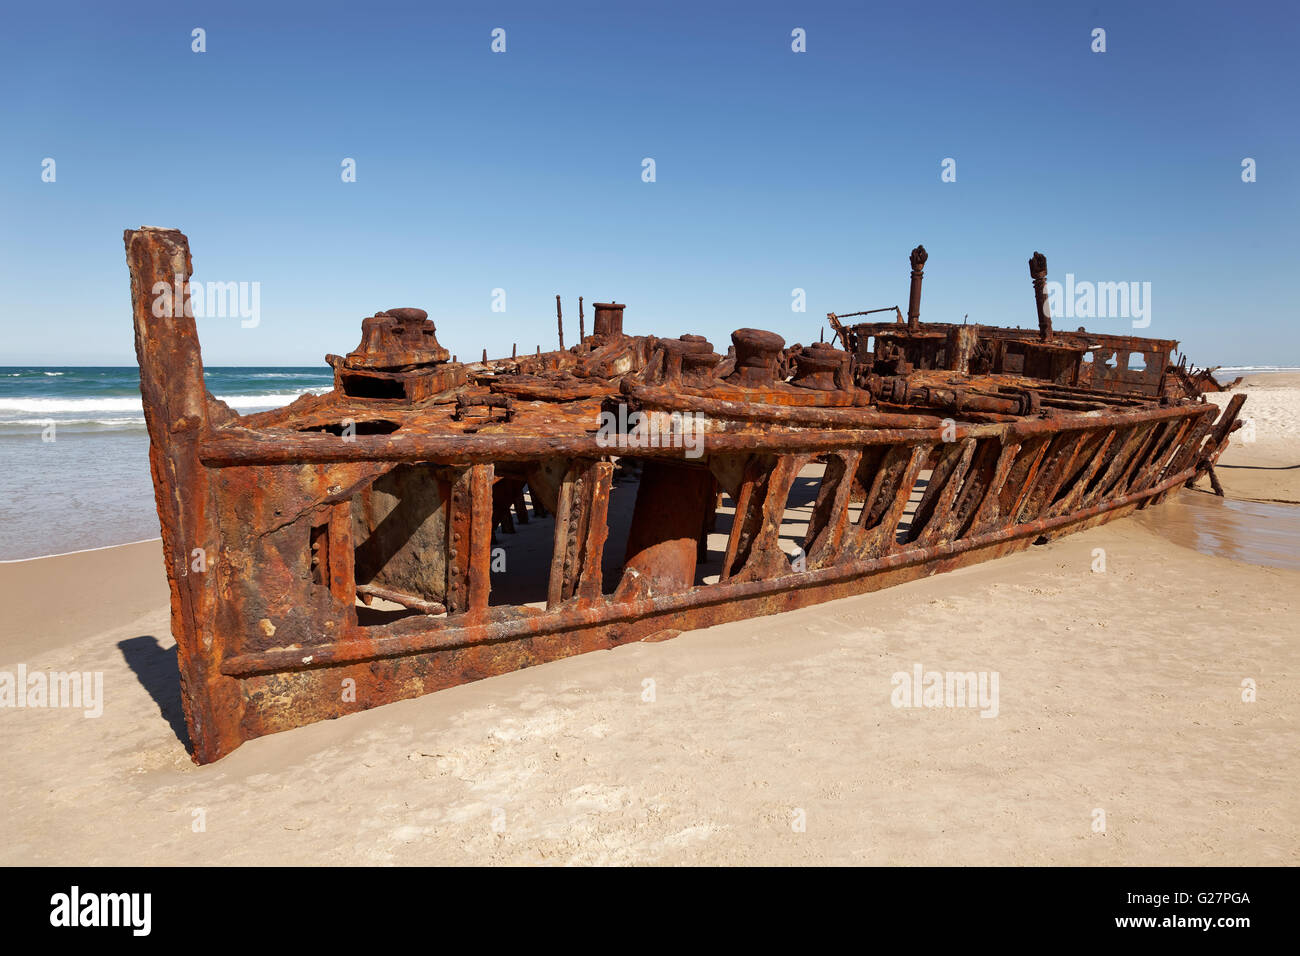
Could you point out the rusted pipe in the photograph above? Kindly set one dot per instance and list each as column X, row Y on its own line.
column 431, row 608
column 917, row 258
column 1038, row 272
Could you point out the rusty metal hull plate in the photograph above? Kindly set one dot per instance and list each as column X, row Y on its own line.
column 337, row 554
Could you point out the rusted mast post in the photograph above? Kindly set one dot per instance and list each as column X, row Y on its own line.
column 177, row 413
column 917, row 258
column 1038, row 272
column 582, row 330
column 559, row 321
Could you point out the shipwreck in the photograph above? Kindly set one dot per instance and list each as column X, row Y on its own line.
column 346, row 541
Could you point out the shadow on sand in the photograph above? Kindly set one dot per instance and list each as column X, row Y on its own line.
column 158, row 673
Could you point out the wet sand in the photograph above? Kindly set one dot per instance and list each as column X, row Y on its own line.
column 1256, row 532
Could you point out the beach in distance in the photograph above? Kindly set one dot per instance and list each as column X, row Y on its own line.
column 1138, row 696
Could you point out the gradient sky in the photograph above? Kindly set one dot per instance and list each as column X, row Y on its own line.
column 522, row 170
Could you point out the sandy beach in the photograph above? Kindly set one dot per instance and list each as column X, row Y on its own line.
column 770, row 741
column 1267, row 469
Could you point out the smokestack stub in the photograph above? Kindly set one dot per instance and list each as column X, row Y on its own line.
column 608, row 319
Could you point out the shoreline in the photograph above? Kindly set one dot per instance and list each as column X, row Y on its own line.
column 65, row 554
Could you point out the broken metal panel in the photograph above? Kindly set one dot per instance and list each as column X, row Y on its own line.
column 673, row 502
column 352, row 532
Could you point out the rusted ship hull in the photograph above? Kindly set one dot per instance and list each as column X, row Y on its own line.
column 286, row 533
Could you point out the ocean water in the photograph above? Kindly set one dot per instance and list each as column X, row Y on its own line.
column 90, row 486
column 1223, row 376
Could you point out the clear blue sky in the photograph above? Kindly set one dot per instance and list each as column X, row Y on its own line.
column 522, row 170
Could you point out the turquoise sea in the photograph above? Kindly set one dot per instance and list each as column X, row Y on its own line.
column 90, row 486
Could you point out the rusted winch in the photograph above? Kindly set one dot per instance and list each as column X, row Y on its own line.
column 757, row 354
column 688, row 360
column 399, row 358
column 823, row 367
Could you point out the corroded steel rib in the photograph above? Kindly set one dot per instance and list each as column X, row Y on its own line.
column 987, row 514
column 796, row 590
column 830, row 520
column 931, row 528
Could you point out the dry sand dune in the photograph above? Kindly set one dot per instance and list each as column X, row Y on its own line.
column 1119, row 691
